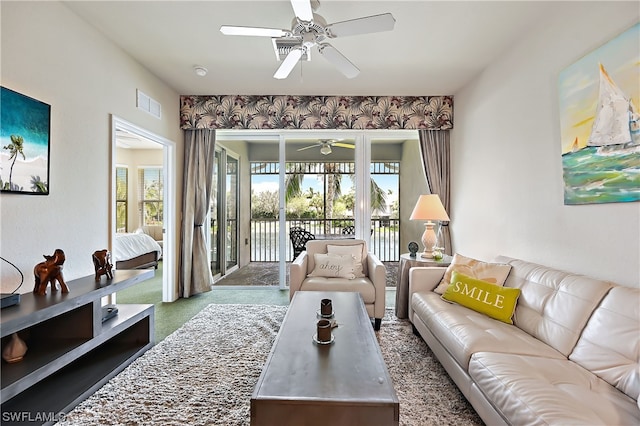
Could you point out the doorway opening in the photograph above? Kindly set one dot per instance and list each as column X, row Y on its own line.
column 149, row 164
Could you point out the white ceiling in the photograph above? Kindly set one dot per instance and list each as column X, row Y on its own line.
column 435, row 49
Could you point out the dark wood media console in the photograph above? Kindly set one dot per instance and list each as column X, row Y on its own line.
column 71, row 351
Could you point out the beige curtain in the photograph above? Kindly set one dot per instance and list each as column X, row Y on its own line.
column 199, row 155
column 435, row 150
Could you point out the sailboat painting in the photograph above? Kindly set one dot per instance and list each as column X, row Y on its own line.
column 600, row 123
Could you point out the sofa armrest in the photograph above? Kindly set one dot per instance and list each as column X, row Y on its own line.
column 378, row 276
column 297, row 273
column 423, row 278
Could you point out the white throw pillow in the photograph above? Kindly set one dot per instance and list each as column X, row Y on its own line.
column 495, row 273
column 351, row 250
column 333, row 266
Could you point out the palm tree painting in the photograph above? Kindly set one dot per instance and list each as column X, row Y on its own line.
column 24, row 144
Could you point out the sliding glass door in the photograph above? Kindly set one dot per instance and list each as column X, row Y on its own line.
column 330, row 183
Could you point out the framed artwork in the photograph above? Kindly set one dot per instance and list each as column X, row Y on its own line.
column 25, row 125
column 600, row 123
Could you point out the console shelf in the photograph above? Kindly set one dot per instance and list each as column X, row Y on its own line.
column 71, row 351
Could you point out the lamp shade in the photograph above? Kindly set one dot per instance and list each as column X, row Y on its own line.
column 429, row 207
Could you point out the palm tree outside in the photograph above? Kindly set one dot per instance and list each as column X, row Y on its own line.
column 333, row 175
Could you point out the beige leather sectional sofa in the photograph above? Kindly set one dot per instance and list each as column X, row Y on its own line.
column 570, row 358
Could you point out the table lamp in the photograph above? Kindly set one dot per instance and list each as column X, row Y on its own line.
column 429, row 208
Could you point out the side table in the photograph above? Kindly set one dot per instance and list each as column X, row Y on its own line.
column 402, row 286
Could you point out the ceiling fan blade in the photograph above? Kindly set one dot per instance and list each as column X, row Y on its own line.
column 368, row 24
column 253, row 31
column 288, row 63
column 309, row 147
column 302, row 10
column 343, row 145
column 339, row 60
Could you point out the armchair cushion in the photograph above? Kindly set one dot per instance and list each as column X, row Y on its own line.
column 356, row 251
column 320, row 246
column 360, row 285
column 333, row 266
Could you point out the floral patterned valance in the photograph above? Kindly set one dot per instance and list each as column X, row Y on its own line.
column 316, row 112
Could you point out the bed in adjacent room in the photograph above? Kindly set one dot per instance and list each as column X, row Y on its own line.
column 136, row 251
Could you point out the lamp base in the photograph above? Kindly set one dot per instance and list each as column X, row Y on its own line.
column 429, row 240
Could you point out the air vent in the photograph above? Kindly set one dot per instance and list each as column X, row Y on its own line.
column 148, row 104
column 282, row 47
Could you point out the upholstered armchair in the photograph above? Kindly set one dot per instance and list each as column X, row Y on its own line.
column 311, row 271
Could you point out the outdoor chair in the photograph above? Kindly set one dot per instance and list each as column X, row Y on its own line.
column 299, row 237
column 349, row 230
column 368, row 279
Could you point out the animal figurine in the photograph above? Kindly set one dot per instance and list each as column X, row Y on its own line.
column 102, row 264
column 50, row 271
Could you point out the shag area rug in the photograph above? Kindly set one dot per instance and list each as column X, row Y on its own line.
column 204, row 374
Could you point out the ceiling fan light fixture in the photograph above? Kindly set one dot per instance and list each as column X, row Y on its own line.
column 326, row 149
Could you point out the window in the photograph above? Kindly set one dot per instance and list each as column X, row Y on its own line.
column 122, row 196
column 151, row 190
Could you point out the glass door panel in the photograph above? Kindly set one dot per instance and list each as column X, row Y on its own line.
column 384, row 170
column 265, row 209
column 320, row 190
column 231, row 201
column 214, row 217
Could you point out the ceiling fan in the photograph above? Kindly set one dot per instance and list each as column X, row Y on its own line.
column 309, row 30
column 325, row 146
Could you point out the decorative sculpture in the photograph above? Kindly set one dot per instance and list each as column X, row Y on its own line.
column 50, row 271
column 102, row 264
column 14, row 350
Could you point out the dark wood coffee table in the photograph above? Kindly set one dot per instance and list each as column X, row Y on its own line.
column 344, row 383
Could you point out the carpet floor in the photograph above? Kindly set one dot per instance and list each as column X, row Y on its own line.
column 205, row 372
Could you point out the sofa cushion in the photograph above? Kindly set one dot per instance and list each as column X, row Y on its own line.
column 610, row 343
column 532, row 390
column 481, row 296
column 554, row 306
column 333, row 266
column 364, row 286
column 464, row 331
column 491, row 272
column 355, row 250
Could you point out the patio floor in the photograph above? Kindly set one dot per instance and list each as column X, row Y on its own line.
column 266, row 274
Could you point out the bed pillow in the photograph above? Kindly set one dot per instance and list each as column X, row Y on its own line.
column 333, row 266
column 354, row 250
column 494, row 273
column 482, row 296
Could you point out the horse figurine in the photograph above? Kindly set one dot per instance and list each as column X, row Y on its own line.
column 102, row 264
column 50, row 271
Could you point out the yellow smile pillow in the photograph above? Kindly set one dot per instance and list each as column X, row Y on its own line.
column 482, row 296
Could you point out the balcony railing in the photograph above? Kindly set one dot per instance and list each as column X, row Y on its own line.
column 265, row 244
